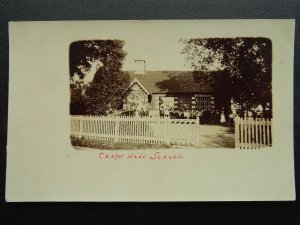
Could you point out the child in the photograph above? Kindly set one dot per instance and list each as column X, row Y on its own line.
column 223, row 120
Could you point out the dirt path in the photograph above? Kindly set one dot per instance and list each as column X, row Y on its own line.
column 216, row 137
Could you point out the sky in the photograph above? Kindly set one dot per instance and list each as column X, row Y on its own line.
column 156, row 43
column 160, row 49
column 160, row 53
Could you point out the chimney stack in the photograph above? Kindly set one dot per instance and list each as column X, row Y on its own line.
column 140, row 66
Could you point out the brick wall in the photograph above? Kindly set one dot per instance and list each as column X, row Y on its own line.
column 137, row 98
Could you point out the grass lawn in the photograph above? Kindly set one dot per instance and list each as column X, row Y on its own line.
column 110, row 145
column 210, row 137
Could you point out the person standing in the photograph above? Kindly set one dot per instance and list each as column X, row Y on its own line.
column 185, row 114
column 188, row 114
column 166, row 112
column 222, row 120
column 162, row 112
column 197, row 114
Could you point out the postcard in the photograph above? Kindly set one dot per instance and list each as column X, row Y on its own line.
column 153, row 110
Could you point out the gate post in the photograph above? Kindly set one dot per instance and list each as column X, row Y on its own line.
column 198, row 135
column 117, row 124
column 166, row 136
column 237, row 120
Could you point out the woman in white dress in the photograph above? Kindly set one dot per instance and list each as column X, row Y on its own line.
column 223, row 120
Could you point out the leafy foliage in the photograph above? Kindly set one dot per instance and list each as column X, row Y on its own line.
column 83, row 53
column 108, row 87
column 239, row 68
column 106, row 92
column 78, row 99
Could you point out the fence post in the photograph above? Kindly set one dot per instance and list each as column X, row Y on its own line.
column 237, row 131
column 198, row 120
column 198, row 135
column 167, row 138
column 117, row 124
column 267, row 133
column 80, row 126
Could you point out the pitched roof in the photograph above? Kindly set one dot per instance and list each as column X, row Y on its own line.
column 171, row 82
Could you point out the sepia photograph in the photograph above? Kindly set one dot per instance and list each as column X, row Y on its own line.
column 216, row 94
column 158, row 110
column 146, row 111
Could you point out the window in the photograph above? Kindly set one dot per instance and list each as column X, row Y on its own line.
column 166, row 102
column 149, row 98
column 184, row 103
column 203, row 102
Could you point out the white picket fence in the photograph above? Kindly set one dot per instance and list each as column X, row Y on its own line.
column 249, row 133
column 253, row 133
column 136, row 129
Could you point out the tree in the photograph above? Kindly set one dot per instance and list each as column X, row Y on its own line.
column 107, row 91
column 109, row 85
column 238, row 68
column 78, row 98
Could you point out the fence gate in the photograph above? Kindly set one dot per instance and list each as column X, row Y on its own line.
column 136, row 129
column 184, row 132
column 253, row 133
